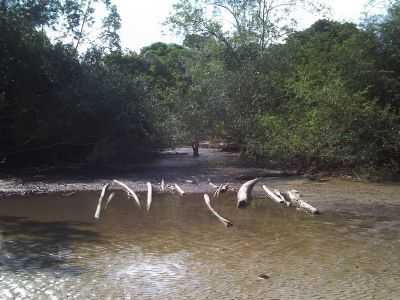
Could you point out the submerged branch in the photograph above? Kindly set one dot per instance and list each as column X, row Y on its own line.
column 244, row 193
column 162, row 185
column 103, row 193
column 110, row 197
column 273, row 196
column 129, row 191
column 224, row 221
column 294, row 197
column 149, row 196
column 179, row 190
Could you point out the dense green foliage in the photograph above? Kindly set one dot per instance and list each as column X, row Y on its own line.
column 326, row 97
column 58, row 106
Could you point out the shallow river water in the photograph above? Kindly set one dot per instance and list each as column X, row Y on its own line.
column 52, row 248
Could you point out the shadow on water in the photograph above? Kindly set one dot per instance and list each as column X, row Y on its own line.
column 32, row 245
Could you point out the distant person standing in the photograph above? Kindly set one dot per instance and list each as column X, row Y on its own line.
column 195, row 147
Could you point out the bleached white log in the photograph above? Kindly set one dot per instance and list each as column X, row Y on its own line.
column 129, row 191
column 271, row 195
column 212, row 184
column 149, row 196
column 294, row 197
column 244, row 194
column 179, row 190
column 224, row 187
column 224, row 221
column 103, row 193
column 110, row 197
column 217, row 191
column 162, row 186
column 280, row 195
column 307, row 207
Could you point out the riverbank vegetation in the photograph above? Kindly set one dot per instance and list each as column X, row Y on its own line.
column 325, row 97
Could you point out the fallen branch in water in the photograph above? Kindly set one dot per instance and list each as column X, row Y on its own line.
column 212, row 184
column 290, row 198
column 220, row 189
column 162, row 185
column 273, row 196
column 129, row 191
column 110, row 197
column 279, row 194
column 149, row 196
column 294, row 197
column 103, row 193
column 244, row 194
column 179, row 190
column 224, row 221
column 224, row 187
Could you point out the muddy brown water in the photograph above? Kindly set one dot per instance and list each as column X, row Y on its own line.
column 52, row 248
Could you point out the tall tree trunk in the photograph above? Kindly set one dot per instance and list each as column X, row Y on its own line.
column 85, row 17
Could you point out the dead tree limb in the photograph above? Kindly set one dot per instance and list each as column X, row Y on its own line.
column 110, row 197
column 244, row 194
column 103, row 193
column 271, row 195
column 224, row 187
column 162, row 185
column 179, row 190
column 212, row 184
column 129, row 191
column 224, row 221
column 220, row 189
column 149, row 196
column 294, row 197
column 280, row 195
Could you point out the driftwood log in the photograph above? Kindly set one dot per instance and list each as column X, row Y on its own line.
column 149, row 196
column 279, row 194
column 273, row 196
column 294, row 197
column 224, row 221
column 110, row 197
column 129, row 191
column 162, row 185
column 222, row 188
column 290, row 198
column 244, row 194
column 104, row 190
column 103, row 193
column 179, row 190
column 212, row 184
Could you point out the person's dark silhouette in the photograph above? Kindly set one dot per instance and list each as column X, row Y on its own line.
column 195, row 147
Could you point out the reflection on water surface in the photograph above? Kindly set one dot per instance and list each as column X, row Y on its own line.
column 51, row 248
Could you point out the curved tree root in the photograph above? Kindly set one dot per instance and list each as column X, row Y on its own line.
column 224, row 221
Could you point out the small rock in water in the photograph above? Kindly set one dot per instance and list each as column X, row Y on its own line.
column 263, row 276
